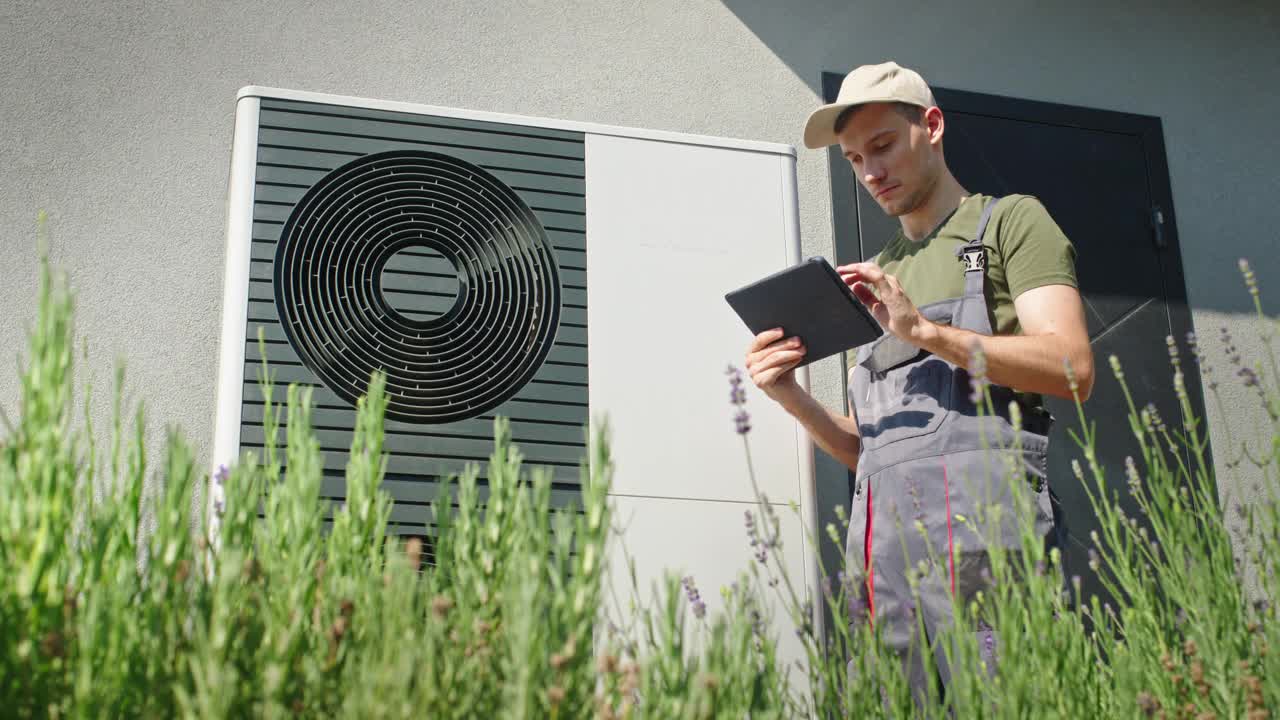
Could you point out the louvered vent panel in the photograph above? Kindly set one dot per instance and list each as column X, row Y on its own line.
column 450, row 253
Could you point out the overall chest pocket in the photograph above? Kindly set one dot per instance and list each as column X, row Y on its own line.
column 905, row 401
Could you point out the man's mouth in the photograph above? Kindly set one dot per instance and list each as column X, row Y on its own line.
column 885, row 191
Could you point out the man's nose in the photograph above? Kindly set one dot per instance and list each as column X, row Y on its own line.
column 872, row 173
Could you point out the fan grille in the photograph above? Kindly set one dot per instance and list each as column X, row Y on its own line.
column 350, row 304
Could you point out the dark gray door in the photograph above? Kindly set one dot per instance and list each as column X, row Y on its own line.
column 1103, row 177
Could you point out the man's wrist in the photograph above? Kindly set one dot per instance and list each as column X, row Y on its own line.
column 926, row 335
column 789, row 395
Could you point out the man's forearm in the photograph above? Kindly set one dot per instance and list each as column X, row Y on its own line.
column 1030, row 363
column 836, row 434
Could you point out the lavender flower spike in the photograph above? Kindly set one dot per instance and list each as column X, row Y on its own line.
column 736, row 394
column 695, row 600
column 1131, row 472
column 760, row 550
column 738, row 398
column 219, row 479
column 977, row 373
column 1250, row 281
column 1172, row 346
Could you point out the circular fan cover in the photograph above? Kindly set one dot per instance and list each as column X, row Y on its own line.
column 456, row 361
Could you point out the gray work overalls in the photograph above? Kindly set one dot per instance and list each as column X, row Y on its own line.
column 923, row 467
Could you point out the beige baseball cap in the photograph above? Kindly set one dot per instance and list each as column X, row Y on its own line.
column 886, row 82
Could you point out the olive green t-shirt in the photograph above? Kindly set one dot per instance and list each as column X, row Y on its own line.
column 1025, row 249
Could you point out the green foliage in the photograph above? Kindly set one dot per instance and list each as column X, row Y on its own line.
column 282, row 616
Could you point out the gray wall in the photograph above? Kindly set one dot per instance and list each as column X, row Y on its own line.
column 116, row 118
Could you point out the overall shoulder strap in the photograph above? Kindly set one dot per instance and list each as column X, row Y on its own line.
column 986, row 216
column 972, row 253
column 972, row 313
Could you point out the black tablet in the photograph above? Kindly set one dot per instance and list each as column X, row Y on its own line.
column 810, row 301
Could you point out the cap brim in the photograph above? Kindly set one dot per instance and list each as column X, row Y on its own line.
column 820, row 129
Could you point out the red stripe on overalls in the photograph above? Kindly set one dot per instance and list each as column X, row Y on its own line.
column 866, row 560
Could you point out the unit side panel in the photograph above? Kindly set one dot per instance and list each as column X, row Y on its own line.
column 672, row 228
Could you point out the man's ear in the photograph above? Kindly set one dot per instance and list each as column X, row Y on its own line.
column 935, row 124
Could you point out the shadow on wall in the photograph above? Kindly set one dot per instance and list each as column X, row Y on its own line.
column 1018, row 53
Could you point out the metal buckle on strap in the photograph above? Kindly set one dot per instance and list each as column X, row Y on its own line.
column 973, row 255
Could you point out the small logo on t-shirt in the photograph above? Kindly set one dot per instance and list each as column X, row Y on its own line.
column 974, row 260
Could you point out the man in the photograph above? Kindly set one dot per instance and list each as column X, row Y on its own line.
column 967, row 277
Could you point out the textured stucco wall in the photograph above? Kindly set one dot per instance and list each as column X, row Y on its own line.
column 116, row 118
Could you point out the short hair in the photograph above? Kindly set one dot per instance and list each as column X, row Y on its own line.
column 913, row 113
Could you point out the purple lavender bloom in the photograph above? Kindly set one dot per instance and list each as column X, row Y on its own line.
column 219, row 479
column 1249, row 376
column 857, row 608
column 1131, row 472
column 760, row 548
column 695, row 600
column 1233, row 354
column 738, row 398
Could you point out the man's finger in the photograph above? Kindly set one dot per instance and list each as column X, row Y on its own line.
column 761, row 341
column 766, row 377
column 779, row 358
column 866, row 271
column 864, row 294
column 753, row 358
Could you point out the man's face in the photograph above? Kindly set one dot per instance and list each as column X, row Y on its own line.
column 899, row 162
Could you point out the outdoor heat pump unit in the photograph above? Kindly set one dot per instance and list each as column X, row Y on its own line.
column 548, row 271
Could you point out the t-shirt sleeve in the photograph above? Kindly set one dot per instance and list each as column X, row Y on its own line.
column 1036, row 252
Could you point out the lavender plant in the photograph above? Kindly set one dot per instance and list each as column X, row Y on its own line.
column 103, row 614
